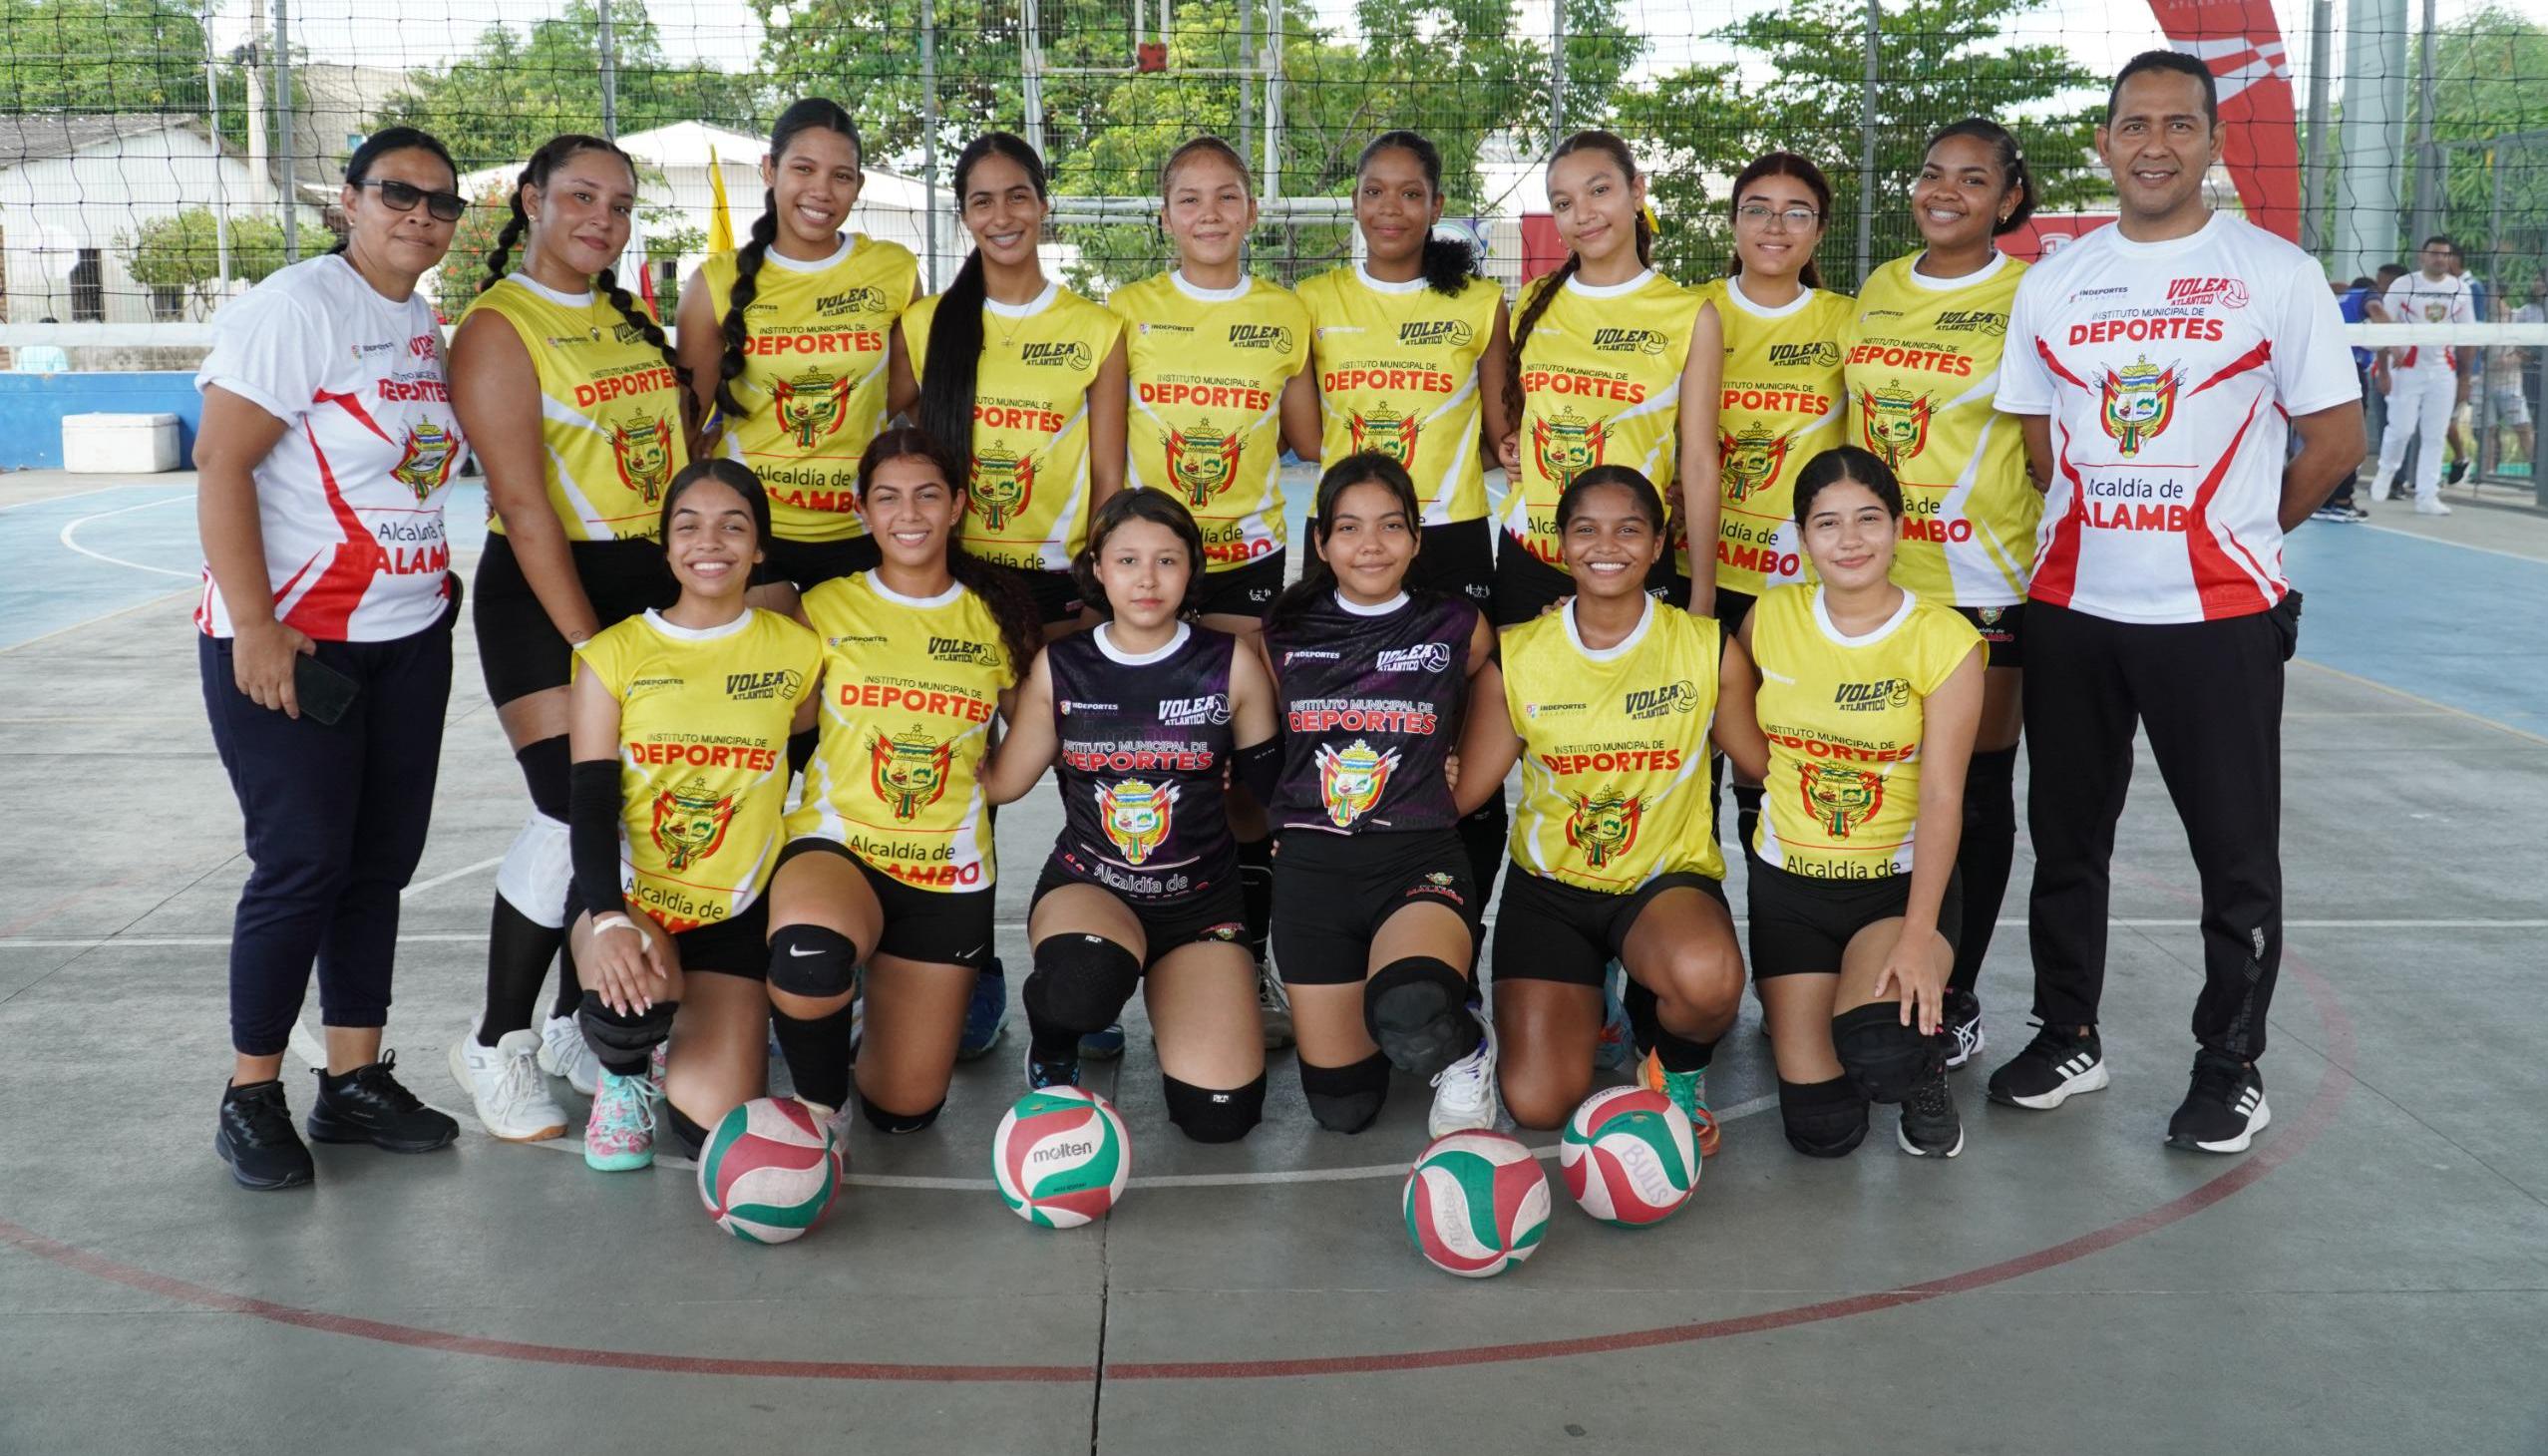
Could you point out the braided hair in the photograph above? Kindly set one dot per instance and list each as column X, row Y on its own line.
column 1607, row 142
column 1021, row 630
column 556, row 150
column 955, row 330
column 812, row 113
column 1448, row 263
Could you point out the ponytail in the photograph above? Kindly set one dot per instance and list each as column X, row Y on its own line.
column 1448, row 263
column 953, row 359
column 812, row 112
column 1609, row 145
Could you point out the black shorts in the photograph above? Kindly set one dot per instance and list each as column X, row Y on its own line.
column 519, row 649
column 1457, row 557
column 1526, row 586
column 1332, row 890
column 1055, row 594
column 1546, row 929
column 941, row 927
column 1245, row 591
column 806, row 565
column 1802, row 924
column 738, row 946
column 1218, row 915
column 1733, row 608
column 2004, row 632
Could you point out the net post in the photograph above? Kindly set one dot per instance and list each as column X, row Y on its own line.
column 1867, row 144
column 286, row 134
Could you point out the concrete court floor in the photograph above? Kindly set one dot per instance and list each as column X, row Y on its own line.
column 2373, row 1278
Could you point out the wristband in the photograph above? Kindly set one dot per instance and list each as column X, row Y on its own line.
column 613, row 923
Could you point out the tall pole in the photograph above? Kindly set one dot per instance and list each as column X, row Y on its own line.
column 1030, row 75
column 2428, row 157
column 221, row 183
column 1272, row 66
column 929, row 132
column 286, row 136
column 2322, row 44
column 1246, row 69
column 2374, row 127
column 1557, row 71
column 609, row 71
column 1867, row 145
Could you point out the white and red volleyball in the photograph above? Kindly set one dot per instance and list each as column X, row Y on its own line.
column 1475, row 1204
column 1628, row 1157
column 1061, row 1157
column 769, row 1170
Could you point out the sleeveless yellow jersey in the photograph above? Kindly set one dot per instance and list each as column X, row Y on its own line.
column 1208, row 369
column 703, row 755
column 1613, row 750
column 910, row 687
column 1923, row 361
column 610, row 409
column 814, row 376
column 1600, row 385
column 1781, row 405
column 1843, row 717
column 1026, row 505
column 1398, row 373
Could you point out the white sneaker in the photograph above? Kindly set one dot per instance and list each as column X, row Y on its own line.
column 2432, row 508
column 514, row 1105
column 1276, row 1009
column 564, row 1053
column 1464, row 1096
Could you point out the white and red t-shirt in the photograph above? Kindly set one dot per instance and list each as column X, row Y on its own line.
column 351, row 497
column 2169, row 371
column 2415, row 298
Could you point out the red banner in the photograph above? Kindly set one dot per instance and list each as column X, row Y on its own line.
column 2241, row 44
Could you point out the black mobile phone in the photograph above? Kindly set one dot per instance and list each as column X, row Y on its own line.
column 325, row 692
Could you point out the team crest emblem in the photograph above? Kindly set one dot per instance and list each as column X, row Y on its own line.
column 1135, row 816
column 812, row 404
column 1388, row 431
column 909, row 772
column 690, row 822
column 1842, row 799
column 1003, row 481
column 1895, row 422
column 1753, row 460
column 2136, row 404
column 1568, row 445
column 2437, row 313
column 1350, row 780
column 1604, row 825
column 426, row 463
column 1203, row 462
column 641, row 448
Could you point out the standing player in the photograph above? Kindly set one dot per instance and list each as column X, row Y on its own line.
column 2162, row 367
column 576, row 410
column 1923, row 356
column 327, row 447
column 787, row 340
column 1613, row 363
column 2424, row 385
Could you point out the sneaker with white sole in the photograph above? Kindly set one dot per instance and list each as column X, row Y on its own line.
column 620, row 1136
column 1273, row 1007
column 564, row 1052
column 1929, row 1127
column 2054, row 1067
column 1464, row 1094
column 502, row 1081
column 2431, row 508
column 1964, row 1023
column 2224, row 1108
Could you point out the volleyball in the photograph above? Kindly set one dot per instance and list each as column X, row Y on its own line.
column 1061, row 1157
column 1628, row 1157
column 1475, row 1204
column 769, row 1170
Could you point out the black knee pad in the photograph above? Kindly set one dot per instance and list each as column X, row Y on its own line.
column 1417, row 1011
column 1884, row 1058
column 1207, row 1116
column 1989, row 790
column 1346, row 1099
column 897, row 1122
column 623, row 1045
column 812, row 960
column 547, row 767
column 688, row 1134
column 1080, row 982
column 1824, row 1119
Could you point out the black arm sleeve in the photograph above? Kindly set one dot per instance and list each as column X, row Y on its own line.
column 1260, row 769
column 592, row 834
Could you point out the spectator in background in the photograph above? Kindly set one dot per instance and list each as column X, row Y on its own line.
column 2464, row 431
column 2352, row 302
column 2534, row 358
column 2506, row 406
column 40, row 358
column 2423, row 381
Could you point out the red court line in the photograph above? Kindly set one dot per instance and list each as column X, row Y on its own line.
column 2332, row 1085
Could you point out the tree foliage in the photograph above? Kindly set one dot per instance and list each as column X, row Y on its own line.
column 184, row 250
column 101, row 56
column 2489, row 67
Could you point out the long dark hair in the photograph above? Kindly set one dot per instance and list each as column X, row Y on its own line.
column 1448, row 263
column 732, row 474
column 811, row 114
column 1785, row 164
column 1121, row 508
column 384, row 141
column 1846, row 463
column 1318, row 578
column 1021, row 630
column 2013, row 166
column 535, row 173
column 1649, row 501
column 1609, row 143
column 955, row 330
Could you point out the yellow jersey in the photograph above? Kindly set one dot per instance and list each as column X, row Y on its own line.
column 1208, row 369
column 909, row 688
column 1921, row 357
column 1843, row 717
column 1026, row 505
column 1600, row 385
column 1781, row 404
column 1614, row 749
column 1398, row 373
column 610, row 409
column 814, row 375
column 703, row 755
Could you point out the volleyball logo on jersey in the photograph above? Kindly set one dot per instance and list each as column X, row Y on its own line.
column 690, row 822
column 909, row 770
column 426, row 462
column 1568, row 445
column 1840, row 798
column 1135, row 816
column 2136, row 402
column 1351, row 780
column 1604, row 825
column 1001, row 482
column 1390, row 432
column 812, row 404
column 641, row 448
column 1753, row 458
column 1203, row 461
column 1895, row 422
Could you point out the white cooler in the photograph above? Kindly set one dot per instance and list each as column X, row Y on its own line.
column 118, row 444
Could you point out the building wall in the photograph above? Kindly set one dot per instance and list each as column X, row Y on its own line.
column 87, row 200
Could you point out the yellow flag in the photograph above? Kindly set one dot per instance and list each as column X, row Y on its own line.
column 720, row 227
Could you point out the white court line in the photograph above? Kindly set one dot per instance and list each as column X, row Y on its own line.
column 2461, row 545
column 119, row 561
column 104, row 616
column 73, row 496
column 420, row 886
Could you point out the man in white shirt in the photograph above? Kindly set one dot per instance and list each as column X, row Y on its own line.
column 2423, row 383
column 2160, row 369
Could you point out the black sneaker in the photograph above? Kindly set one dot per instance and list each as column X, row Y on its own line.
column 367, row 1105
column 1929, row 1127
column 1059, row 1072
column 2225, row 1108
column 256, row 1138
column 1964, row 1024
column 2056, row 1067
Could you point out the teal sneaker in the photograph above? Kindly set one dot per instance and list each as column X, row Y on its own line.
column 620, row 1136
column 1688, row 1091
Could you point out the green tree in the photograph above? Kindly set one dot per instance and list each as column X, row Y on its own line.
column 2488, row 70
column 101, row 56
column 183, row 250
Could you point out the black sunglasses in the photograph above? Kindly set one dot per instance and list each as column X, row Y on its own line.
column 403, row 196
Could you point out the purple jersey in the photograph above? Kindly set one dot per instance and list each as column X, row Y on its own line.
column 1371, row 704
column 1144, row 742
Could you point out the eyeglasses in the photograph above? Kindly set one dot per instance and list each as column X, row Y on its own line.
column 401, row 197
column 1759, row 215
